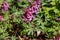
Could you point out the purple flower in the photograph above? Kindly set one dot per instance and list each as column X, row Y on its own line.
column 28, row 15
column 34, row 9
column 38, row 3
column 5, row 6
column 58, row 37
column 31, row 11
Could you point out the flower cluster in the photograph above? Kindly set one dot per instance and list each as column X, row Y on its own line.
column 5, row 6
column 31, row 11
column 58, row 37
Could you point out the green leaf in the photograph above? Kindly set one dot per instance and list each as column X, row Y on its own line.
column 13, row 38
column 1, row 1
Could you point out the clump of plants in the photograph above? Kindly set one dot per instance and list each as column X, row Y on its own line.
column 29, row 19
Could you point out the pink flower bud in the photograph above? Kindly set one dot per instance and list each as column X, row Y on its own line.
column 30, row 0
column 1, row 18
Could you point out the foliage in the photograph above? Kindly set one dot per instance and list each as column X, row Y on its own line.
column 47, row 21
